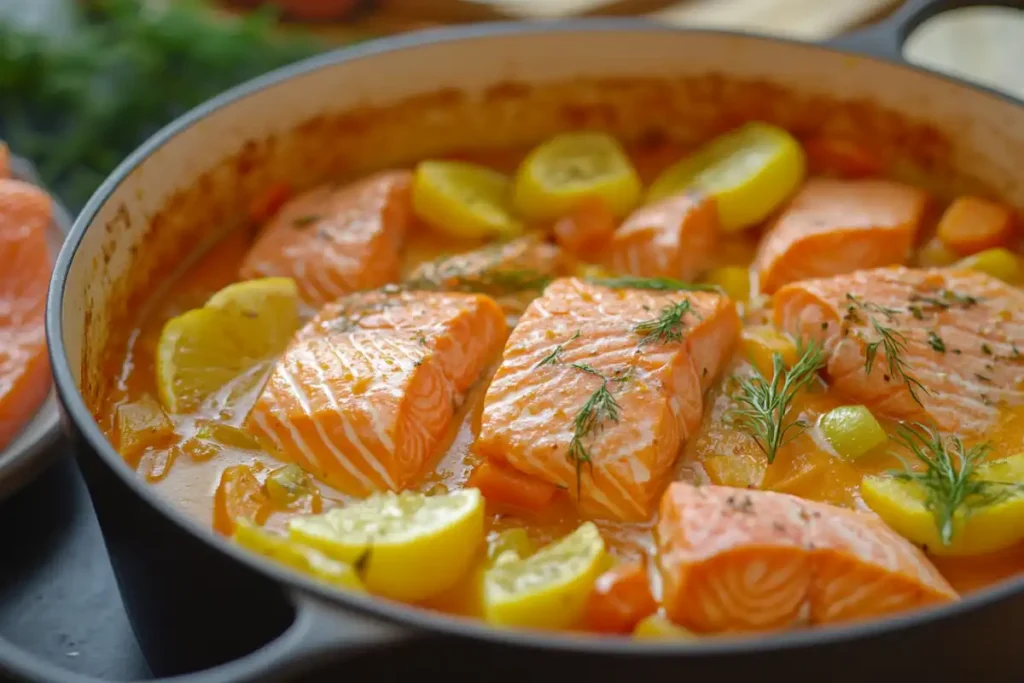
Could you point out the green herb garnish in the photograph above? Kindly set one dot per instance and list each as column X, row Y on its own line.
column 667, row 327
column 949, row 478
column 600, row 408
column 763, row 404
column 658, row 284
column 935, row 341
column 891, row 341
column 555, row 357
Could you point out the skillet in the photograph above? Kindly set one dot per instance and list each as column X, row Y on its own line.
column 200, row 604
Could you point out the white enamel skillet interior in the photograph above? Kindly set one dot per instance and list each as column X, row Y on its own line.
column 114, row 232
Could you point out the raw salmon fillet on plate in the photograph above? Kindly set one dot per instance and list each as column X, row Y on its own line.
column 334, row 240
column 25, row 213
column 958, row 336
column 368, row 389
column 832, row 227
column 589, row 397
column 746, row 560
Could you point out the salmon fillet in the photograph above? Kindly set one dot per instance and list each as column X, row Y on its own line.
column 833, row 227
column 335, row 240
column 673, row 238
column 742, row 560
column 25, row 213
column 959, row 335
column 578, row 344
column 513, row 272
column 368, row 389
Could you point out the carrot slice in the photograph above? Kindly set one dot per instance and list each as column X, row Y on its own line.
column 502, row 484
column 842, row 157
column 971, row 224
column 239, row 494
column 5, row 160
column 585, row 231
column 269, row 202
column 620, row 599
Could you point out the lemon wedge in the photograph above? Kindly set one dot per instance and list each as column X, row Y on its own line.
column 749, row 172
column 408, row 546
column 464, row 200
column 557, row 175
column 241, row 327
column 297, row 556
column 987, row 528
column 549, row 588
column 659, row 627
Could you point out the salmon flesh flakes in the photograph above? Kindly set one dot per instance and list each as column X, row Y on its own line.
column 599, row 388
column 938, row 345
column 366, row 392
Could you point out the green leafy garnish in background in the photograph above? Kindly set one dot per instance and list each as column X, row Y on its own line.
column 77, row 102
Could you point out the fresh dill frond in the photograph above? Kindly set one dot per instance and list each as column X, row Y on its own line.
column 763, row 404
column 935, row 341
column 657, row 284
column 667, row 327
column 555, row 357
column 950, row 476
column 894, row 344
column 494, row 282
column 600, row 408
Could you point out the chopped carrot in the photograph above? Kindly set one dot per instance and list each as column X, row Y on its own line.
column 620, row 599
column 239, row 494
column 842, row 157
column 971, row 224
column 585, row 231
column 5, row 160
column 503, row 484
column 269, row 202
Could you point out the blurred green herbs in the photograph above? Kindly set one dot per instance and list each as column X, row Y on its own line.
column 78, row 102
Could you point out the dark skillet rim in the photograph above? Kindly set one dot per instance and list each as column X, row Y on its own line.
column 417, row 619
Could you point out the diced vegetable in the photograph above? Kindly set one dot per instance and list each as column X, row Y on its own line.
column 749, row 171
column 510, row 544
column 980, row 526
column 935, row 254
column 297, row 556
column 239, row 496
column 140, row 425
column 586, row 229
column 291, row 487
column 461, row 199
column 1000, row 263
column 549, row 589
column 572, row 167
column 503, row 484
column 852, row 431
column 972, row 224
column 658, row 627
column 841, row 157
column 227, row 435
column 620, row 599
column 760, row 342
column 408, row 546
column 734, row 281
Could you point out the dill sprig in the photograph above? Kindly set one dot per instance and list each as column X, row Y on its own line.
column 495, row 282
column 657, row 284
column 667, row 327
column 891, row 341
column 599, row 408
column 555, row 357
column 763, row 405
column 950, row 476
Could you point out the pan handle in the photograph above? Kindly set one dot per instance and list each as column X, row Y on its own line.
column 319, row 633
column 885, row 39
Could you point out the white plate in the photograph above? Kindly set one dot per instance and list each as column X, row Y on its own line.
column 33, row 448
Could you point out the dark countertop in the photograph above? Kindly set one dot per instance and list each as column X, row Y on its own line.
column 58, row 597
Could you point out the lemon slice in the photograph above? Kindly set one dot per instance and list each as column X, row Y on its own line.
column 749, row 172
column 570, row 167
column 903, row 506
column 297, row 556
column 548, row 589
column 408, row 546
column 659, row 627
column 464, row 200
column 241, row 327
